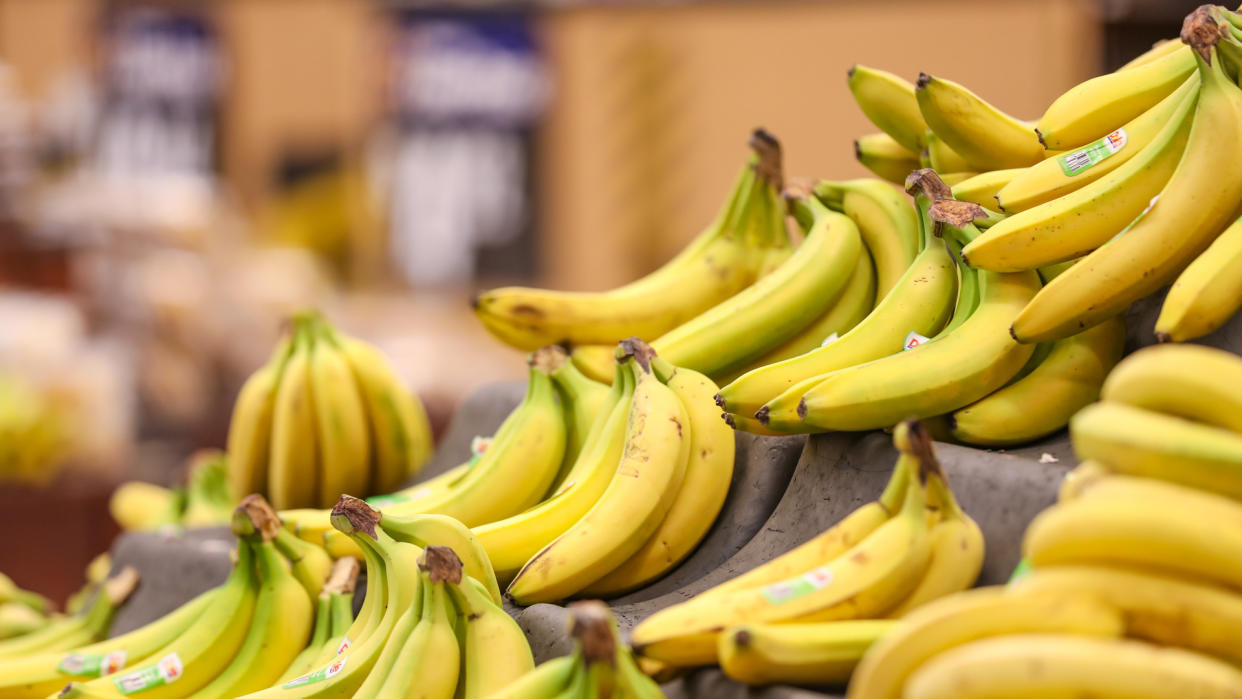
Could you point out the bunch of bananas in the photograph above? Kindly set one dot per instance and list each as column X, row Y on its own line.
column 73, row 630
column 935, row 347
column 35, row 432
column 801, row 617
column 599, row 666
column 1127, row 174
column 1133, row 582
column 327, row 415
column 204, row 501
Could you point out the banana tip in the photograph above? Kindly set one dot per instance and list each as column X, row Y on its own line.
column 923, row 81
column 720, row 401
column 728, row 419
column 1039, row 134
column 763, row 415
column 1163, row 337
column 741, row 638
column 474, row 301
column 802, row 409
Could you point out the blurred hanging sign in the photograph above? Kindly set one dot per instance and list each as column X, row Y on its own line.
column 466, row 91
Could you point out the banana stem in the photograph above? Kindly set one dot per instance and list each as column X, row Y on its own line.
column 344, row 576
column 254, row 516
column 591, row 626
column 353, row 515
column 441, row 564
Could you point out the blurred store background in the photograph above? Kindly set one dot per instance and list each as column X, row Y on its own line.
column 177, row 176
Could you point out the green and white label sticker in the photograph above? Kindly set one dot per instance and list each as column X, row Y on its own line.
column 805, row 584
column 92, row 664
column 165, row 671
column 332, row 670
column 1092, row 154
column 914, row 340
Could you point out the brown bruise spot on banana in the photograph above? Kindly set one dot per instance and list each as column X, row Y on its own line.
column 742, row 638
column 548, row 359
column 770, row 166
column 525, row 309
column 441, row 563
column 860, row 557
column 677, row 422
column 591, row 625
column 802, row 409
column 1201, row 31
column 352, row 515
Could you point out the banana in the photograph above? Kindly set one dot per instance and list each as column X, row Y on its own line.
column 1188, row 381
column 1095, row 107
column 955, row 178
column 1168, row 610
column 513, row 541
column 584, row 399
column 140, row 506
column 920, row 303
column 884, row 157
column 1194, row 207
column 293, row 475
column 18, row 620
column 957, row 549
column 985, row 137
column 1066, row 380
column 936, row 377
column 940, row 157
column 637, row 499
column 301, row 664
column 714, row 266
column 777, row 306
column 495, row 652
column 193, row 659
column 37, row 676
column 1159, row 49
column 1057, row 176
column 547, row 680
column 208, row 503
column 1080, row 221
column 310, row 564
column 10, row 592
column 1143, row 443
column 440, row 530
column 340, row 422
column 944, row 624
column 823, row 653
column 1061, row 665
column 888, row 225
column 828, row 545
column 888, row 101
column 594, row 361
column 250, row 426
column 280, row 628
column 333, row 615
column 428, row 661
column 516, row 470
column 708, row 474
column 67, row 633
column 1206, row 294
column 982, row 189
column 864, row 581
column 631, row 681
column 347, row 630
column 1150, row 532
column 397, row 422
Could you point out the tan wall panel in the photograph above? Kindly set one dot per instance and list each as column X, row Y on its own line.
column 42, row 39
column 653, row 105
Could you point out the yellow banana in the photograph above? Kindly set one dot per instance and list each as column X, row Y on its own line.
column 888, row 101
column 1207, row 293
column 495, row 652
column 1188, row 381
column 884, row 157
column 1094, row 107
column 547, row 680
column 77, row 630
column 1061, row 665
column 822, row 653
column 1194, row 207
column 250, row 426
column 427, row 665
column 982, row 189
column 341, row 424
column 584, row 399
column 644, row 487
column 310, row 564
column 1042, row 402
column 334, row 614
column 888, row 225
column 708, row 474
column 1159, row 49
column 969, row 616
column 425, row 531
column 985, row 137
column 941, row 158
column 293, row 476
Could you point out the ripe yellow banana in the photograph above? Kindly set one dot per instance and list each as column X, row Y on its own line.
column 517, row 469
column 982, row 189
column 74, row 631
column 1194, row 207
column 863, row 582
column 318, row 636
column 985, row 137
column 1207, row 293
column 1057, row 176
column 1143, row 443
column 293, row 475
column 548, row 680
column 888, row 101
column 715, row 266
column 1189, row 381
column 709, row 472
column 341, row 425
column 425, row 531
column 969, row 616
column 777, row 306
column 1097, row 106
column 1146, row 532
column 511, row 542
column 594, row 361
column 583, row 398
column 920, row 303
column 1159, row 49
column 888, row 225
column 1062, row 665
column 250, row 426
column 884, row 157
column 429, row 659
column 1168, row 610
column 941, row 158
column 1066, row 380
column 644, row 487
column 1086, row 218
column 310, row 564
column 334, row 613
column 495, row 652
column 822, row 653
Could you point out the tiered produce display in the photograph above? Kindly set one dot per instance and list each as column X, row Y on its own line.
column 986, row 305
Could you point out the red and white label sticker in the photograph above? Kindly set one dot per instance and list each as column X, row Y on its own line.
column 914, row 340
